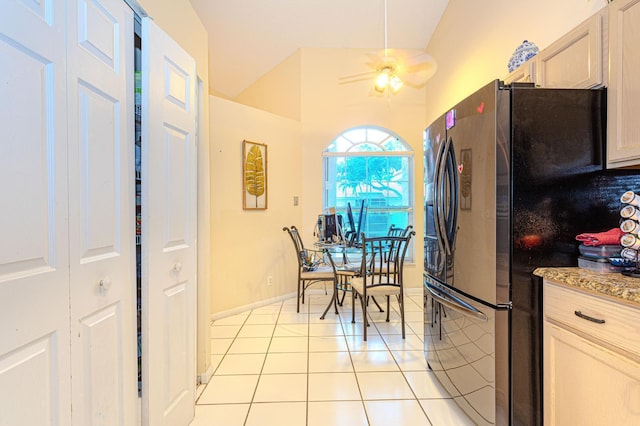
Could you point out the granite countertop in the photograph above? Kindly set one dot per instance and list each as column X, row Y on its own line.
column 614, row 285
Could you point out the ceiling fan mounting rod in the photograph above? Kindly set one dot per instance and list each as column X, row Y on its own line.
column 385, row 29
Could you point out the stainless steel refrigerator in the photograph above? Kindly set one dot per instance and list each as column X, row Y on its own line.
column 512, row 174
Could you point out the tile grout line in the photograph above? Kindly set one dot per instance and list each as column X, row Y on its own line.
column 264, row 362
column 364, row 407
column 223, row 356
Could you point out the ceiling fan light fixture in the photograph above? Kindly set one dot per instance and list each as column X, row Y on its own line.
column 395, row 83
column 387, row 80
column 392, row 69
column 382, row 81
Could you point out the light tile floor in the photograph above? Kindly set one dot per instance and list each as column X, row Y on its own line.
column 274, row 366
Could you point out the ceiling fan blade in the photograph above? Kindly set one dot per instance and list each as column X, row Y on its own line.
column 418, row 79
column 376, row 61
column 414, row 84
column 357, row 75
column 419, row 59
column 354, row 80
column 413, row 66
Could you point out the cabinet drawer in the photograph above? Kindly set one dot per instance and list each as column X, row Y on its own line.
column 621, row 326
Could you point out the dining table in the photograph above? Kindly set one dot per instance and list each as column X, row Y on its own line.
column 347, row 263
column 348, row 266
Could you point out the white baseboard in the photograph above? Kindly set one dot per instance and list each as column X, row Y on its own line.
column 206, row 376
column 219, row 315
column 244, row 308
column 413, row 291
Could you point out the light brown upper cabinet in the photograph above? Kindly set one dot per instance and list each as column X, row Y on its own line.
column 525, row 73
column 578, row 59
column 623, row 123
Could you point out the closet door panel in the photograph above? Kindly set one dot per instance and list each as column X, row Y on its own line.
column 34, row 273
column 101, row 209
column 168, row 230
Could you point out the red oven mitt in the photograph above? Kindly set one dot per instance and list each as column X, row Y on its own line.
column 612, row 236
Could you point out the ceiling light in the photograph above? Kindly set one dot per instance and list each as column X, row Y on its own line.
column 395, row 83
column 382, row 80
column 392, row 69
column 386, row 80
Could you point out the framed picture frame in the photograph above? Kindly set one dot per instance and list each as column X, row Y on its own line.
column 254, row 175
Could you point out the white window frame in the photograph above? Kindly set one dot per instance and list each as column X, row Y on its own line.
column 328, row 186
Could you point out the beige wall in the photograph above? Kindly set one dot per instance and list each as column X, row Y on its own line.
column 178, row 19
column 475, row 40
column 278, row 91
column 249, row 245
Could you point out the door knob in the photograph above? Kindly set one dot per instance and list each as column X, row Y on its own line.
column 105, row 284
column 177, row 267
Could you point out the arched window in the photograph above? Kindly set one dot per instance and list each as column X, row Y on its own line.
column 373, row 165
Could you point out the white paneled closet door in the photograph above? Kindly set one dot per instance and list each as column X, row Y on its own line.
column 168, row 229
column 35, row 374
column 101, row 208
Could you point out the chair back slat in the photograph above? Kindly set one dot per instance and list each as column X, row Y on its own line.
column 303, row 256
column 381, row 274
column 308, row 260
column 383, row 260
column 314, row 266
column 395, row 231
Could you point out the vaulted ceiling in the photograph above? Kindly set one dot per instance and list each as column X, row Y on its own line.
column 247, row 38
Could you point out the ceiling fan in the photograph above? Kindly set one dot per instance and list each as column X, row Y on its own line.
column 393, row 68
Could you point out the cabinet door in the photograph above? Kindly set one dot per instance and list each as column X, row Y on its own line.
column 101, row 216
column 168, row 229
column 575, row 60
column 623, row 127
column 34, row 259
column 587, row 384
column 525, row 73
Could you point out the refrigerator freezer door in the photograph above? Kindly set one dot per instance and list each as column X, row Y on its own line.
column 466, row 348
column 481, row 251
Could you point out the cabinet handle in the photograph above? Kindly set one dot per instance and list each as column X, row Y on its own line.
column 588, row 318
column 177, row 267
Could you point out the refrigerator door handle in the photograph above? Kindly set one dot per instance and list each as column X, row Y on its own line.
column 446, row 226
column 452, row 219
column 440, row 190
column 437, row 197
column 452, row 302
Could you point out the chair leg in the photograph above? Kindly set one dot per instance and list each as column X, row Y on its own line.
column 377, row 304
column 365, row 322
column 298, row 298
column 335, row 296
column 343, row 287
column 401, row 304
column 388, row 297
column 341, row 301
column 334, row 301
column 353, row 307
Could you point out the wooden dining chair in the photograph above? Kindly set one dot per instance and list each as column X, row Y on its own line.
column 314, row 266
column 381, row 274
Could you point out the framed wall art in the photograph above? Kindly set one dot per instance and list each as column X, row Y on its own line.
column 254, row 175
